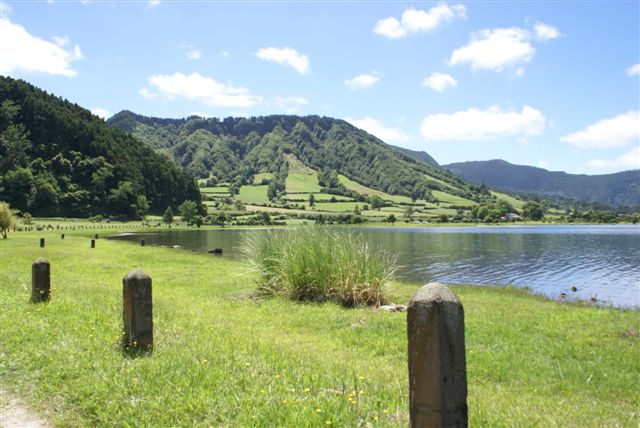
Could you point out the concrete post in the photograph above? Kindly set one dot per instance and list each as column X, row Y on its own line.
column 62, row 236
column 41, row 242
column 437, row 365
column 93, row 243
column 40, row 280
column 142, row 243
column 137, row 311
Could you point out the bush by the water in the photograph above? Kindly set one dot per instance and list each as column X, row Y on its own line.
column 318, row 264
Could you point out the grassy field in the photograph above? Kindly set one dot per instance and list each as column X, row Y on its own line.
column 223, row 358
column 517, row 203
column 319, row 197
column 257, row 179
column 298, row 182
column 215, row 189
column 452, row 199
column 253, row 194
column 352, row 185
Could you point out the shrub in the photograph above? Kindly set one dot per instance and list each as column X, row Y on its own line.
column 318, row 264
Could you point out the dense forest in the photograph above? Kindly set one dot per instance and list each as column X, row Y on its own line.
column 57, row 159
column 619, row 189
column 232, row 150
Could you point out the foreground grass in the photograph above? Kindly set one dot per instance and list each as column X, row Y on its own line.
column 223, row 358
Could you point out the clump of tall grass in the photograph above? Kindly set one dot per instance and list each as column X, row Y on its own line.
column 318, row 264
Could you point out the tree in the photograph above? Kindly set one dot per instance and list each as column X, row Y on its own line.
column 6, row 219
column 187, row 210
column 312, row 200
column 532, row 210
column 391, row 219
column 376, row 202
column 197, row 220
column 167, row 217
column 408, row 213
column 221, row 219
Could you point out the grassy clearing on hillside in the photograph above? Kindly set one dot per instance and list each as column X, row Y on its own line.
column 223, row 358
column 253, row 194
column 452, row 199
column 302, row 183
column 517, row 203
column 364, row 190
column 215, row 189
column 319, row 197
column 257, row 178
column 315, row 264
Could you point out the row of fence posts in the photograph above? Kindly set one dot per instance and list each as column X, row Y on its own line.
column 435, row 331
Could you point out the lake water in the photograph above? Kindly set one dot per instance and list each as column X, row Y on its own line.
column 601, row 262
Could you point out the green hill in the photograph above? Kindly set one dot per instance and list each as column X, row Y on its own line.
column 234, row 150
column 56, row 158
column 622, row 188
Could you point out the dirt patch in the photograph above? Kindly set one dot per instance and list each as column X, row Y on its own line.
column 14, row 414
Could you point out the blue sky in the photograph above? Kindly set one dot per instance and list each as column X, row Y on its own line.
column 549, row 84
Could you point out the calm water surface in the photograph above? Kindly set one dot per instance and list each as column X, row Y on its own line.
column 602, row 262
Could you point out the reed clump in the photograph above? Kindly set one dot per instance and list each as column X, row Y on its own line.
column 319, row 264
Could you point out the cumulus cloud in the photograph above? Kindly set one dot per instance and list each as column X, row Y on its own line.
column 285, row 56
column 362, row 81
column 482, row 125
column 291, row 104
column 193, row 53
column 153, row 3
column 495, row 49
column 5, row 9
column 439, row 82
column 608, row 133
column 199, row 88
column 634, row 70
column 377, row 128
column 546, row 32
column 100, row 112
column 31, row 54
column 629, row 160
column 414, row 20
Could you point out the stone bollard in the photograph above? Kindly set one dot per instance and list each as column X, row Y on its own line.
column 62, row 236
column 96, row 237
column 137, row 311
column 437, row 365
column 142, row 243
column 40, row 281
column 41, row 242
column 93, row 243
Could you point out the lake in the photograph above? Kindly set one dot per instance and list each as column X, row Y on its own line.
column 601, row 262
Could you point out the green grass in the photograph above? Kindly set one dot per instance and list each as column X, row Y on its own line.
column 253, row 194
column 223, row 358
column 319, row 197
column 452, row 199
column 298, row 182
column 338, row 206
column 215, row 189
column 517, row 203
column 364, row 190
column 316, row 264
column 257, row 178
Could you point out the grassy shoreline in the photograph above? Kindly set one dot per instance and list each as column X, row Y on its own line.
column 224, row 358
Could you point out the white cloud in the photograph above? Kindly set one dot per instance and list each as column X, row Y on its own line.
column 543, row 164
column 362, row 81
column 199, row 88
column 31, row 54
column 100, row 112
column 193, row 53
column 414, row 20
column 546, row 32
column 439, row 82
column 495, row 49
column 285, row 56
column 629, row 160
column 291, row 104
column 607, row 133
column 482, row 125
column 377, row 128
column 634, row 70
column 153, row 3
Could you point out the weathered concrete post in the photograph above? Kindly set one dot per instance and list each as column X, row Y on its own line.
column 93, row 243
column 137, row 311
column 437, row 365
column 96, row 236
column 41, row 242
column 142, row 243
column 62, row 236
column 40, row 280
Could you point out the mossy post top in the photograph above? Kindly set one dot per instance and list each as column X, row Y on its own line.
column 137, row 275
column 41, row 261
column 434, row 291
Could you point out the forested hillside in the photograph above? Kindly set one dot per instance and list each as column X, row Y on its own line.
column 622, row 188
column 235, row 149
column 56, row 158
